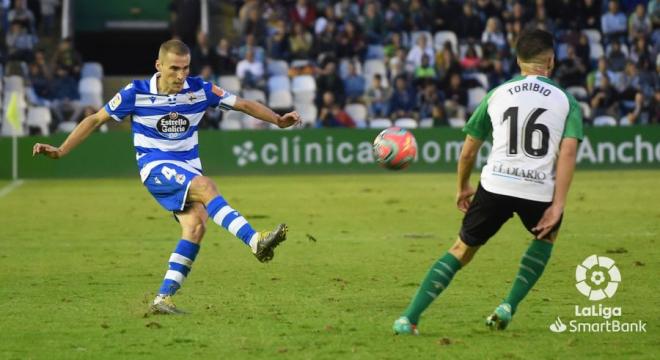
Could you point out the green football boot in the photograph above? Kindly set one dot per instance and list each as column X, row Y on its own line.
column 500, row 318
column 403, row 326
column 268, row 240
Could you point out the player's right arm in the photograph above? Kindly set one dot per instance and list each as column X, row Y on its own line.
column 465, row 165
column 77, row 136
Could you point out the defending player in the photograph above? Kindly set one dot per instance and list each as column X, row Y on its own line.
column 536, row 127
column 165, row 113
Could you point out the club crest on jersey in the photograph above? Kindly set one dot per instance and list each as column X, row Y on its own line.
column 173, row 125
column 191, row 97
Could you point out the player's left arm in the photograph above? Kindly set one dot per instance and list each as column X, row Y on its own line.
column 261, row 112
column 565, row 169
column 465, row 165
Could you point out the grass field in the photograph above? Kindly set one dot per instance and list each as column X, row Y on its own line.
column 79, row 260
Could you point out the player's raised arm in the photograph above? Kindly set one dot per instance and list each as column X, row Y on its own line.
column 261, row 112
column 77, row 136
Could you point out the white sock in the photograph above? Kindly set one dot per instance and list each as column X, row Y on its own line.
column 253, row 242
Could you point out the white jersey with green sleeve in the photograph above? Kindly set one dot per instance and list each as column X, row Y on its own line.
column 528, row 117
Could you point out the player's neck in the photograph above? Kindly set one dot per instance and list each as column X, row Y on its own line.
column 533, row 69
column 162, row 89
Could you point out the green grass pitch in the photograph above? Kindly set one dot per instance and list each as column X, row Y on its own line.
column 79, row 260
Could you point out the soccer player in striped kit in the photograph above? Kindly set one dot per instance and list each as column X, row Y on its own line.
column 166, row 110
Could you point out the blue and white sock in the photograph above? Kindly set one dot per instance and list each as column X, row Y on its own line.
column 180, row 263
column 230, row 219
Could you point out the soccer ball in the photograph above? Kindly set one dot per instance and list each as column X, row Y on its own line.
column 395, row 148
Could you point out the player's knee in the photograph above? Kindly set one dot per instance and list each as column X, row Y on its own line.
column 463, row 252
column 203, row 184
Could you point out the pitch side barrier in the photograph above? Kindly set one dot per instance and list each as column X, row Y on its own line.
column 314, row 151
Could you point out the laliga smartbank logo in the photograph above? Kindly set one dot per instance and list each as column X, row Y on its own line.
column 597, row 278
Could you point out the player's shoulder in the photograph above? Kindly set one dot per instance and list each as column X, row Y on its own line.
column 196, row 83
column 136, row 86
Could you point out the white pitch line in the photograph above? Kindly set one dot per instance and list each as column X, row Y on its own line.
column 13, row 185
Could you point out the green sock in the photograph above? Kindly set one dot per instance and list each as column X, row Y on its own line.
column 437, row 279
column 531, row 267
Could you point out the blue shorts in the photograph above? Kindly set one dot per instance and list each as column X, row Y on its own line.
column 169, row 184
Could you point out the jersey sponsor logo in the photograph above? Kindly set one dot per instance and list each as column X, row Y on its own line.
column 531, row 175
column 115, row 102
column 173, row 125
column 218, row 91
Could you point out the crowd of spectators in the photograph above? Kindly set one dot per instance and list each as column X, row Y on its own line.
column 607, row 53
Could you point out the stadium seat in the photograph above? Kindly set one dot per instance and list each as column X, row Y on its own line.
column 441, row 37
column 91, row 92
column 475, row 95
column 380, row 123
column 406, row 123
column 343, row 67
column 376, row 52
column 232, row 120
column 66, row 126
column 457, row 122
column 362, row 124
column 586, row 110
column 416, row 34
column 304, row 97
column 230, row 83
column 280, row 100
column 426, row 123
column 308, row 113
column 605, row 121
column 279, row 82
column 480, row 77
column 300, row 63
column 357, row 112
column 255, row 94
column 14, row 83
column 595, row 51
column 40, row 117
column 303, row 83
column 624, row 121
column 277, row 67
column 562, row 51
column 92, row 69
column 374, row 66
column 593, row 35
column 579, row 92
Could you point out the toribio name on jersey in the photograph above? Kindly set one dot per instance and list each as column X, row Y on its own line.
column 535, row 87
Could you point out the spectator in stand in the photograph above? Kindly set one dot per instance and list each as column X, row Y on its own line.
column 588, row 14
column 418, row 16
column 445, row 15
column 639, row 25
column 447, row 62
column 201, row 54
column 326, row 44
column 226, row 61
column 251, row 71
column 513, row 30
column 394, row 19
column 616, row 58
column 48, row 13
column 278, row 43
column 487, row 9
column 185, row 17
column 456, row 97
column 541, row 21
column 38, row 89
column 595, row 78
column 378, row 97
column 427, row 99
column 470, row 26
column 640, row 52
column 300, row 42
column 493, row 34
column 634, row 91
column 322, row 21
column 571, row 71
column 66, row 57
column 251, row 44
column 414, row 58
column 332, row 114
column 20, row 43
column 330, row 81
column 605, row 100
column 350, row 42
column 516, row 14
column 256, row 26
column 392, row 46
column 354, row 84
column 425, row 73
column 373, row 23
column 470, row 61
column 582, row 50
column 613, row 23
column 303, row 13
column 348, row 10
column 23, row 15
column 65, row 97
column 397, row 66
column 402, row 101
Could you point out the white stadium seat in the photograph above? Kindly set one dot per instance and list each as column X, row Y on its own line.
column 595, row 51
column 357, row 112
column 92, row 69
column 279, row 82
column 308, row 113
column 426, row 123
column 406, row 123
column 230, row 83
column 39, row 116
column 475, row 95
column 457, row 122
column 605, row 121
column 380, row 123
column 255, row 94
column 280, row 100
column 441, row 37
column 593, row 35
column 277, row 67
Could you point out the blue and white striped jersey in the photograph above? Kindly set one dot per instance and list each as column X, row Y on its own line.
column 165, row 126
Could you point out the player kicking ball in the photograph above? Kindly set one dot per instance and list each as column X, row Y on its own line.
column 166, row 111
column 536, row 127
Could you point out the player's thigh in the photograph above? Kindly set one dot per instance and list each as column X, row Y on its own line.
column 485, row 216
column 169, row 184
column 531, row 212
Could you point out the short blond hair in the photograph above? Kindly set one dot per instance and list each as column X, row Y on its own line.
column 174, row 46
